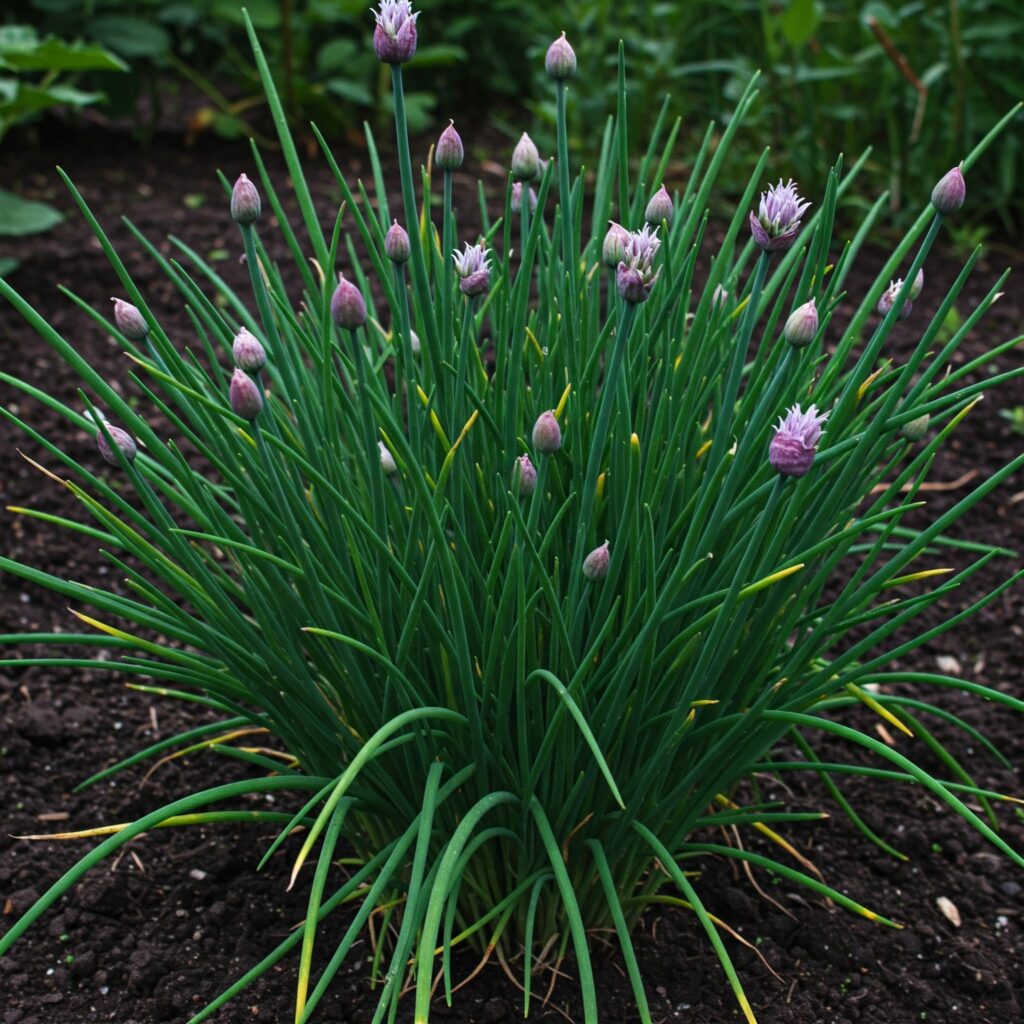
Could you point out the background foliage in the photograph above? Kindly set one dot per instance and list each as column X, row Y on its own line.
column 919, row 81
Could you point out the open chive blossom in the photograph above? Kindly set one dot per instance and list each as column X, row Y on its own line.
column 595, row 565
column 950, row 192
column 130, row 322
column 245, row 201
column 795, row 443
column 547, row 434
column 613, row 249
column 474, row 268
column 659, row 208
column 396, row 244
column 525, row 159
column 248, row 352
column 123, row 441
column 245, row 397
column 560, row 60
column 517, row 198
column 890, row 295
column 524, row 476
column 802, row 325
column 777, row 221
column 449, row 152
column 348, row 308
column 394, row 36
column 635, row 275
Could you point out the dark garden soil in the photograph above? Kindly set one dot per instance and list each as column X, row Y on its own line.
column 180, row 914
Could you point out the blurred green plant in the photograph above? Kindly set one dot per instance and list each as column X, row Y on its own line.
column 34, row 77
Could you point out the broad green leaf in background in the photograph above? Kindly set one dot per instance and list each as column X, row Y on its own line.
column 20, row 216
column 22, row 50
column 800, row 21
column 131, row 37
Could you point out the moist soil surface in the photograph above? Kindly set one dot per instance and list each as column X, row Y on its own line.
column 155, row 933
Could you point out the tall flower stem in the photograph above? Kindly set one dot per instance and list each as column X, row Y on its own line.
column 447, row 268
column 598, row 441
column 408, row 359
column 421, row 283
column 569, row 257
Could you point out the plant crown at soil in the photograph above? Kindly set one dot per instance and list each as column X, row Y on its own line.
column 527, row 702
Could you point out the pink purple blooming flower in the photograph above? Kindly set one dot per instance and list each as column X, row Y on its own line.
column 795, row 443
column 635, row 275
column 394, row 37
column 890, row 294
column 778, row 217
column 473, row 267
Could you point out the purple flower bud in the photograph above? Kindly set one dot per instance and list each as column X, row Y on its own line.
column 130, row 322
column 526, row 474
column 885, row 303
column 394, row 37
column 560, row 62
column 613, row 249
column 778, row 218
column 517, row 198
column 525, row 159
column 387, row 460
column 917, row 286
column 659, row 208
column 245, row 201
column 449, row 153
column 951, row 191
column 914, row 430
column 595, row 565
column 802, row 325
column 795, row 443
column 547, row 434
column 248, row 352
column 348, row 309
column 474, row 268
column 123, row 441
column 396, row 244
column 635, row 275
column 245, row 397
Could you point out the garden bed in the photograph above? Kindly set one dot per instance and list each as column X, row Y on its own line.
column 164, row 928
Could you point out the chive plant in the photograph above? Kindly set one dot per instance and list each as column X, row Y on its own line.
column 524, row 547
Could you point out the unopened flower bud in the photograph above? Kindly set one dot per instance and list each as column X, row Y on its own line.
column 951, row 191
column 560, row 62
column 517, row 198
column 525, row 159
column 394, row 37
column 802, row 325
column 449, row 152
column 547, row 434
column 613, row 248
column 396, row 244
column 914, row 430
column 595, row 565
column 248, row 352
column 795, row 443
column 659, row 208
column 123, row 441
column 387, row 460
column 917, row 286
column 414, row 342
column 525, row 473
column 245, row 397
column 348, row 309
column 130, row 322
column 245, row 201
column 719, row 297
